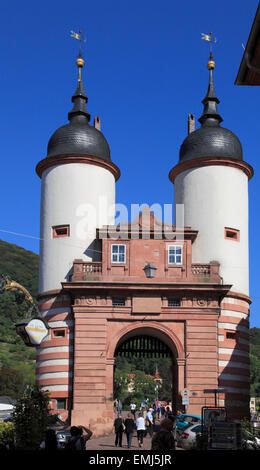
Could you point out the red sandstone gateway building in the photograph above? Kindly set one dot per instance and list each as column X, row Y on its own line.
column 179, row 292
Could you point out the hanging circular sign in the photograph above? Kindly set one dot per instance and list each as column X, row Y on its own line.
column 36, row 330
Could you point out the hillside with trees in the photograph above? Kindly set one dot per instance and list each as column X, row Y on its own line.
column 255, row 362
column 17, row 361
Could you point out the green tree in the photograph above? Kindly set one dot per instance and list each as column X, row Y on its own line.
column 31, row 418
column 144, row 387
column 11, row 382
column 121, row 383
column 6, row 436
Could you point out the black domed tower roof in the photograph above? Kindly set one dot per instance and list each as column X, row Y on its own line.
column 78, row 137
column 211, row 140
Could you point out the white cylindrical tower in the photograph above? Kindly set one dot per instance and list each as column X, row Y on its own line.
column 78, row 194
column 211, row 182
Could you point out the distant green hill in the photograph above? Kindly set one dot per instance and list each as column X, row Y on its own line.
column 22, row 266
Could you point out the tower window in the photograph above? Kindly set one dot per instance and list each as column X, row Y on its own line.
column 118, row 253
column 174, row 254
column 61, row 404
column 230, row 334
column 59, row 333
column 231, row 234
column 60, row 231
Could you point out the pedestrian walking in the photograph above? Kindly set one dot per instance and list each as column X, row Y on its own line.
column 120, row 407
column 172, row 417
column 133, row 409
column 163, row 440
column 119, row 428
column 129, row 429
column 159, row 410
column 115, row 406
column 140, row 427
column 149, row 422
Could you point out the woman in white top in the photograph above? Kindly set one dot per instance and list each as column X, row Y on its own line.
column 140, row 427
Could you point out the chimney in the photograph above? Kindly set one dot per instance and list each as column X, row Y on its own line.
column 191, row 123
column 97, row 123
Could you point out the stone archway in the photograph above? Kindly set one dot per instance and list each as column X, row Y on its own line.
column 157, row 331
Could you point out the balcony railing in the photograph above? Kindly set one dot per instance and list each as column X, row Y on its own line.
column 86, row 270
column 200, row 269
column 197, row 273
column 91, row 268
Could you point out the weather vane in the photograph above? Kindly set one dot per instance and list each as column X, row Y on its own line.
column 79, row 37
column 210, row 38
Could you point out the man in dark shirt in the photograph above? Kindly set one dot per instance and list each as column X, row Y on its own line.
column 163, row 440
column 118, row 424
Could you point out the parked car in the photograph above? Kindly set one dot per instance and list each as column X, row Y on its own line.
column 187, row 438
column 184, row 420
column 61, row 428
column 255, row 420
column 249, row 441
column 63, row 437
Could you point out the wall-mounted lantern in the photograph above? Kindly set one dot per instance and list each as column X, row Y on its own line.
column 149, row 270
column 32, row 329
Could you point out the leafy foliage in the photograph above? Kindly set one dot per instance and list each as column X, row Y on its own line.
column 255, row 362
column 6, row 436
column 11, row 382
column 31, row 418
column 144, row 386
column 22, row 266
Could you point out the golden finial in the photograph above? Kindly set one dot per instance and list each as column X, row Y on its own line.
column 211, row 64
column 80, row 62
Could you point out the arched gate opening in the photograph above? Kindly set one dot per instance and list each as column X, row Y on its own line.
column 145, row 365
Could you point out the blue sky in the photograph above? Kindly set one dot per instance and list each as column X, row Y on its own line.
column 145, row 72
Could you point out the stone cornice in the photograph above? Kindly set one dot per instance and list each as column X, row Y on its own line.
column 67, row 159
column 213, row 289
column 211, row 161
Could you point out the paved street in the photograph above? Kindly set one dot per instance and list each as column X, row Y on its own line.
column 108, row 442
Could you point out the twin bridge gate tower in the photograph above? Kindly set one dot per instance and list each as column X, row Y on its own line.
column 191, row 303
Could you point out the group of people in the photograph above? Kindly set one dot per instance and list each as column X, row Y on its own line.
column 164, row 439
